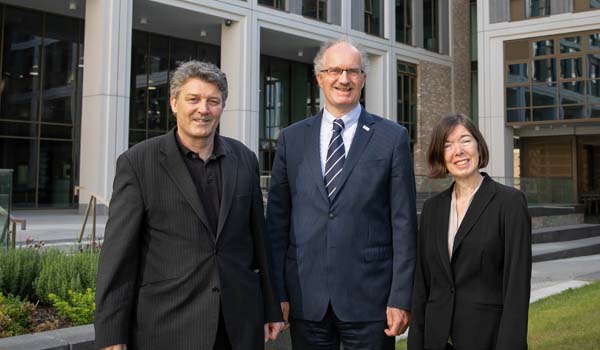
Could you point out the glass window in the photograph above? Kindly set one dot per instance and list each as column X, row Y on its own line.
column 543, row 47
column 518, row 115
column 373, row 17
column 544, row 95
column 572, row 92
column 430, row 25
column 570, row 68
column 593, row 91
column 316, row 9
column 21, row 156
column 537, row 8
column 594, row 41
column 517, row 96
column 572, row 44
column 572, row 112
column 55, row 173
column 545, row 114
column 404, row 21
column 517, row 73
column 278, row 4
column 407, row 99
column 594, row 4
column 544, row 70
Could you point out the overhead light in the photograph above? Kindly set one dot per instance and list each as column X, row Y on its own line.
column 143, row 20
column 203, row 32
column 72, row 5
column 300, row 53
column 151, row 87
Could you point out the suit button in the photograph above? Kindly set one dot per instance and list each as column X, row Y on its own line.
column 451, row 290
column 331, row 215
column 216, row 290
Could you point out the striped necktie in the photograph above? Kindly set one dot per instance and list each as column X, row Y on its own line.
column 336, row 155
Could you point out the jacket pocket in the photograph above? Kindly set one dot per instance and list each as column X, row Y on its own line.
column 378, row 253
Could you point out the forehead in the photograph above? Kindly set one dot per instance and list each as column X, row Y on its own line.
column 457, row 132
column 197, row 86
column 342, row 55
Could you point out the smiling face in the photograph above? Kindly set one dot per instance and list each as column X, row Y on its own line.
column 198, row 109
column 342, row 93
column 461, row 154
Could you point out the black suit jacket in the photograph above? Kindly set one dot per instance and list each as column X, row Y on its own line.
column 481, row 297
column 163, row 273
column 358, row 250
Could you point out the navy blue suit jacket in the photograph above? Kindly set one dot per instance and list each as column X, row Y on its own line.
column 358, row 251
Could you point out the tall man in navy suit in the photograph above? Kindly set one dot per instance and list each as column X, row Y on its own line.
column 341, row 216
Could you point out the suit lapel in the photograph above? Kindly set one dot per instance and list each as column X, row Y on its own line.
column 482, row 198
column 229, row 170
column 174, row 166
column 313, row 153
column 359, row 142
column 442, row 231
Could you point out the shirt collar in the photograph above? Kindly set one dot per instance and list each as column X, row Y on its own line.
column 218, row 150
column 349, row 119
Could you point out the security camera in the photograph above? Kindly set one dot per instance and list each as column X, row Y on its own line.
column 228, row 22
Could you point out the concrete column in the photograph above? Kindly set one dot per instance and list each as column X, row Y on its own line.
column 240, row 51
column 376, row 86
column 105, row 101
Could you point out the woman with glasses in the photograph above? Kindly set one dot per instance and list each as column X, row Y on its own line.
column 473, row 274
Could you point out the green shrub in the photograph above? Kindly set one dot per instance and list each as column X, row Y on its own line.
column 15, row 316
column 63, row 271
column 18, row 270
column 78, row 308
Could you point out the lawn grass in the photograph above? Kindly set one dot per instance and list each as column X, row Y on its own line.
column 566, row 321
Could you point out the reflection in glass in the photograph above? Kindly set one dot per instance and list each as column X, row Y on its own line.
column 593, row 66
column 517, row 97
column 21, row 64
column 572, row 44
column 570, row 68
column 316, row 9
column 594, row 111
column 572, row 92
column 517, row 73
column 543, row 47
column 544, row 95
column 537, row 8
column 542, row 114
column 572, row 112
column 594, row 4
column 57, row 131
column 404, row 21
column 158, row 80
column 544, row 70
column 430, row 24
column 20, row 155
column 594, row 41
column 55, row 173
column 18, row 129
column 518, row 115
column 593, row 91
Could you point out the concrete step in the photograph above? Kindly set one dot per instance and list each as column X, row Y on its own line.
column 565, row 233
column 566, row 249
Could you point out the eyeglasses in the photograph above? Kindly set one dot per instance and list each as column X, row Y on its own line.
column 336, row 72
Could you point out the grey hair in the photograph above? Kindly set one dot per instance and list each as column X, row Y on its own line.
column 318, row 61
column 204, row 71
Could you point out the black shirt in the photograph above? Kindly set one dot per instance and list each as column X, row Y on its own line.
column 207, row 177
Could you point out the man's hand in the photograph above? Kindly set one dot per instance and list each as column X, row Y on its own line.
column 272, row 330
column 397, row 320
column 116, row 347
column 285, row 310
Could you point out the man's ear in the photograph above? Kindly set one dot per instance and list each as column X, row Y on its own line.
column 173, row 103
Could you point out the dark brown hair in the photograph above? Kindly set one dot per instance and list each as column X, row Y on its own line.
column 435, row 153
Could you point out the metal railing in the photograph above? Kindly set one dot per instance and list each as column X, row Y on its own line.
column 94, row 198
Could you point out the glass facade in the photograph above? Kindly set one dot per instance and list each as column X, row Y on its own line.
column 431, row 25
column 277, row 4
column 153, row 58
column 373, row 17
column 407, row 98
column 524, row 9
column 40, row 105
column 553, row 79
column 288, row 93
column 404, row 21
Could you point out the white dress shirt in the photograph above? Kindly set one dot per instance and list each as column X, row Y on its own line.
column 350, row 123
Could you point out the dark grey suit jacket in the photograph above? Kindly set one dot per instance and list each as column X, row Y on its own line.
column 358, row 251
column 163, row 273
column 481, row 297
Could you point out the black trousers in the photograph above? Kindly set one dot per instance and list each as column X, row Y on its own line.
column 330, row 332
column 222, row 339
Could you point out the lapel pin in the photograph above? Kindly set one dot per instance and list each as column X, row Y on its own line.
column 366, row 128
